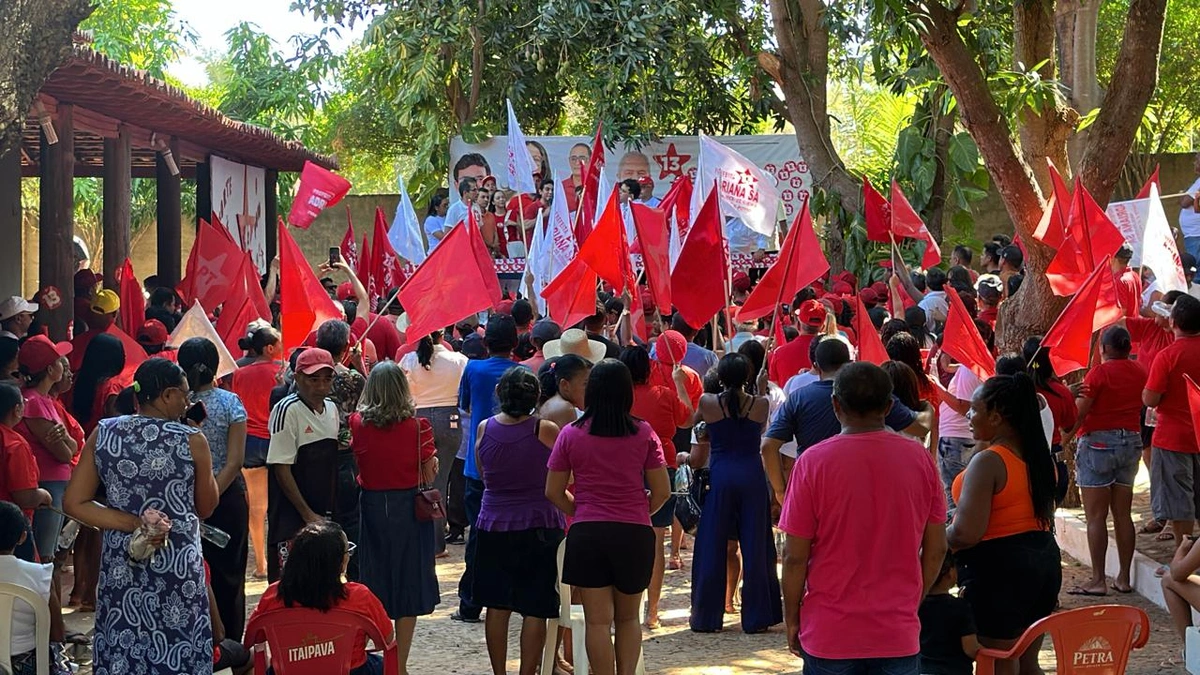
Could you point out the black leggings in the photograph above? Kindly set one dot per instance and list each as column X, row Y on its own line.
column 228, row 565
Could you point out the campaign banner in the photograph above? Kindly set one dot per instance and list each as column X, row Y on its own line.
column 238, row 201
column 662, row 161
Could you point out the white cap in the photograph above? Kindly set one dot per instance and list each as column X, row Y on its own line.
column 14, row 306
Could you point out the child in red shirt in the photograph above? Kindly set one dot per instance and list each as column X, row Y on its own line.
column 18, row 468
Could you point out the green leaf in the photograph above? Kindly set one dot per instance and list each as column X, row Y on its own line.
column 963, row 152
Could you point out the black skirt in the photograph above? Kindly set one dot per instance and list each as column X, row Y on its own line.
column 1010, row 582
column 395, row 553
column 518, row 571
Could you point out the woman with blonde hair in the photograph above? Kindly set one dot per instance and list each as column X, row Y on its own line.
column 396, row 454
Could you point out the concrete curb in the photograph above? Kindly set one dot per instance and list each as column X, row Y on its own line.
column 1071, row 531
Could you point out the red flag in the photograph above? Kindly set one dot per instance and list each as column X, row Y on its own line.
column 319, row 189
column 387, row 271
column 698, row 284
column 1053, row 227
column 870, row 346
column 483, row 259
column 651, row 225
column 678, row 202
column 304, row 304
column 1094, row 307
column 1089, row 236
column 800, row 262
column 906, row 222
column 571, row 296
column 363, row 269
column 133, row 303
column 586, row 215
column 231, row 325
column 222, row 230
column 606, row 250
column 961, row 339
column 251, row 289
column 1193, row 397
column 1144, row 193
column 211, row 269
column 349, row 244
column 446, row 287
column 877, row 212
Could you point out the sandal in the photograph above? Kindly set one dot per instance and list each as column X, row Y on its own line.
column 1152, row 527
column 1080, row 590
column 676, row 563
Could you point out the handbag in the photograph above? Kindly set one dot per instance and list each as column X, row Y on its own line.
column 428, row 503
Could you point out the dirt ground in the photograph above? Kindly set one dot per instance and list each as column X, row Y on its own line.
column 445, row 646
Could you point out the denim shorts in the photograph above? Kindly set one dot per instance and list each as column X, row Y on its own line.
column 1107, row 458
column 256, row 452
column 953, row 456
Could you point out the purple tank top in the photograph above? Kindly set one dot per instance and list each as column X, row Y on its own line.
column 512, row 461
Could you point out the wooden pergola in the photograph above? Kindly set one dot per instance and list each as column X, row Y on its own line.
column 97, row 118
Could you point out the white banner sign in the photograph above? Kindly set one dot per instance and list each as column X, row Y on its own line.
column 238, row 200
column 662, row 161
column 1130, row 218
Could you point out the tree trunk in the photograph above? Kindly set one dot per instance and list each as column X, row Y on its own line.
column 36, row 35
column 801, row 70
column 1044, row 133
column 941, row 129
column 1075, row 26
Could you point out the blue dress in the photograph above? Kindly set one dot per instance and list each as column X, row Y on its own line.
column 151, row 617
column 738, row 507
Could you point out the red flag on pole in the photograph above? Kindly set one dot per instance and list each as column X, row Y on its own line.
column 1053, row 227
column 349, row 245
column 698, row 284
column 800, row 262
column 231, row 325
column 319, row 189
column 870, row 346
column 906, row 222
column 1089, row 236
column 606, row 250
column 961, row 339
column 483, row 259
column 363, row 269
column 586, row 215
column 387, row 272
column 211, row 269
column 677, row 202
column 251, row 289
column 651, row 225
column 571, row 296
column 1193, row 398
column 1144, row 193
column 446, row 287
column 304, row 304
column 877, row 212
column 133, row 304
column 1094, row 307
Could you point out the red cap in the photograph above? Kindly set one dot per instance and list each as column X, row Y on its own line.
column 741, row 281
column 38, row 353
column 645, row 180
column 487, row 178
column 846, row 276
column 671, row 347
column 869, row 296
column 313, row 360
column 153, row 332
column 880, row 289
column 505, row 307
column 345, row 291
column 812, row 313
column 842, row 288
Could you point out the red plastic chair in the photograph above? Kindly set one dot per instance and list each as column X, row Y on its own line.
column 310, row 642
column 1089, row 640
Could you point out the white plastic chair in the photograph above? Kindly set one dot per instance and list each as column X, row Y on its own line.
column 10, row 593
column 571, row 617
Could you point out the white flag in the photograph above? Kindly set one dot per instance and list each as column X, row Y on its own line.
column 195, row 323
column 604, row 188
column 1159, row 252
column 520, row 164
column 745, row 191
column 405, row 233
column 560, row 246
column 675, row 242
column 1131, row 218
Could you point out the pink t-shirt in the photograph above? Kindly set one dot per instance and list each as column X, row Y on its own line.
column 609, row 484
column 40, row 407
column 864, row 500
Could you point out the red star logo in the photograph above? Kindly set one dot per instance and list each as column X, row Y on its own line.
column 746, row 177
column 672, row 163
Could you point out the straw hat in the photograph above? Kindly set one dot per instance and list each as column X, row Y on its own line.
column 575, row 341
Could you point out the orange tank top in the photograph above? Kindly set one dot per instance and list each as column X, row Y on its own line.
column 1012, row 506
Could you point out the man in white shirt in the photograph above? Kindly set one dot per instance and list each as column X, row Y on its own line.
column 934, row 303
column 16, row 314
column 31, row 576
column 1189, row 214
column 468, row 189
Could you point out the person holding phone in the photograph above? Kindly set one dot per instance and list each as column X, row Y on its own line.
column 221, row 417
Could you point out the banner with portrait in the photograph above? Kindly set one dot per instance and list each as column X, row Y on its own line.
column 238, row 201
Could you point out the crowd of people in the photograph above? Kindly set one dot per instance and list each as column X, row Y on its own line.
column 343, row 471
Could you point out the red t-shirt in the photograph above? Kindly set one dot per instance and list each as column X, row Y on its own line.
column 865, row 513
column 662, row 409
column 1175, row 429
column 790, row 359
column 661, row 375
column 989, row 315
column 1061, row 402
column 1115, row 389
column 1148, row 337
column 383, row 333
column 253, row 384
column 385, row 455
column 19, row 468
column 1129, row 292
column 359, row 599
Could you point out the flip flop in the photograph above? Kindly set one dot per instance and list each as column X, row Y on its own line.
column 1079, row 590
column 1152, row 527
column 1162, row 571
column 1122, row 591
column 1164, row 536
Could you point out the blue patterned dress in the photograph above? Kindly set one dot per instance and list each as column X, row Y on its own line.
column 151, row 617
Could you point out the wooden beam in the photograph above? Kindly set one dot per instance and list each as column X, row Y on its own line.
column 169, row 223
column 56, row 261
column 203, row 192
column 187, row 171
column 118, row 188
column 11, row 280
column 271, row 212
